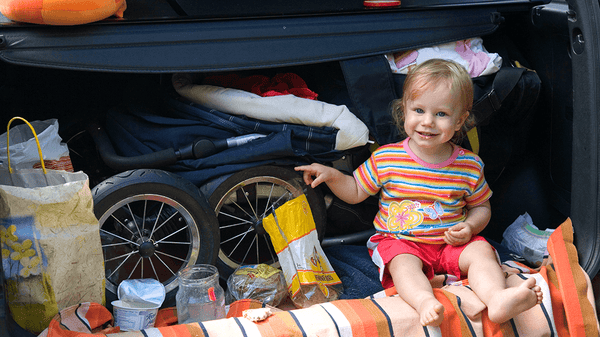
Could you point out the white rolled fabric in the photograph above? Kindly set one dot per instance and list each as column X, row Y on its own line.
column 281, row 109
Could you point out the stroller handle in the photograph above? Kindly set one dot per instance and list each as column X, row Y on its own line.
column 200, row 148
column 107, row 152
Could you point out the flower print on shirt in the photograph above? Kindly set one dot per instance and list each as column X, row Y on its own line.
column 404, row 215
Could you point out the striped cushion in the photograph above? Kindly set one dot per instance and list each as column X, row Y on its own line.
column 566, row 310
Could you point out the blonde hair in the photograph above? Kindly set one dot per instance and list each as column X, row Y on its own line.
column 433, row 72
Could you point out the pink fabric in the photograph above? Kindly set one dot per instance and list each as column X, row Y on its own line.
column 477, row 61
column 406, row 59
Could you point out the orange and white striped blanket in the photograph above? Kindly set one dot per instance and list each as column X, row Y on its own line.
column 567, row 310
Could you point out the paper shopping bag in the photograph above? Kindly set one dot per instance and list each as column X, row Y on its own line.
column 50, row 241
column 309, row 276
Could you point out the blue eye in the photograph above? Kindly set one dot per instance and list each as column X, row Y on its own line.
column 441, row 114
column 419, row 110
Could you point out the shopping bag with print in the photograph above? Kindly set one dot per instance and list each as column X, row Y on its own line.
column 50, row 242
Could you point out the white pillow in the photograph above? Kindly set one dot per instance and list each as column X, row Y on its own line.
column 281, row 109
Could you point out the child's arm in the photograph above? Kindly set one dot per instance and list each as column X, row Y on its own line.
column 477, row 218
column 342, row 185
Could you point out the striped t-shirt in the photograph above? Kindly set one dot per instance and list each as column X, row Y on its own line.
column 420, row 201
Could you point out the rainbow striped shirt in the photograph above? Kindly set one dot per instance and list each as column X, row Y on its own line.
column 420, row 201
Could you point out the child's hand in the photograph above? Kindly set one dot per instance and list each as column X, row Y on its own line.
column 342, row 185
column 315, row 174
column 458, row 234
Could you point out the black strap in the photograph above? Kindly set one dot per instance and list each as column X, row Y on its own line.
column 504, row 82
column 371, row 88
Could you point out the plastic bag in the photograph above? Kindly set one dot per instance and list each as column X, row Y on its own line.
column 51, row 249
column 309, row 276
column 525, row 239
column 23, row 148
column 259, row 282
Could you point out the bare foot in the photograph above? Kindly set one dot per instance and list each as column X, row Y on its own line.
column 431, row 312
column 510, row 302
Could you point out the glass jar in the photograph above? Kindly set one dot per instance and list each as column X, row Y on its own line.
column 200, row 297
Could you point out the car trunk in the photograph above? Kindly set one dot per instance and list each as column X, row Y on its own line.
column 76, row 73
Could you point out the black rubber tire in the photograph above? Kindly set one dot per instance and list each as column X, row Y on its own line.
column 172, row 210
column 250, row 230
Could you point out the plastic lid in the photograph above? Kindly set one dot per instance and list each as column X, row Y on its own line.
column 143, row 291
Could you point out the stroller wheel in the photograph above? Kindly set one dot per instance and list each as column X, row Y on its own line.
column 243, row 200
column 152, row 224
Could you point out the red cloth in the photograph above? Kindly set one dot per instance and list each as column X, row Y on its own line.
column 280, row 84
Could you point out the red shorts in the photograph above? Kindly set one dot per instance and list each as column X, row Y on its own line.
column 436, row 258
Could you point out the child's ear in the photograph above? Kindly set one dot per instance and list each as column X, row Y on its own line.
column 461, row 120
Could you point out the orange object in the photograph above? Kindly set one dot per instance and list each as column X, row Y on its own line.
column 61, row 12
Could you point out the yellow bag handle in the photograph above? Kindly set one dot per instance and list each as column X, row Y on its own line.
column 10, row 170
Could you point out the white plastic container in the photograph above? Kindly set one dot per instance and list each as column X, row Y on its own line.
column 134, row 315
column 138, row 304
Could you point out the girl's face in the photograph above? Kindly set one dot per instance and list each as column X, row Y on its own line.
column 432, row 117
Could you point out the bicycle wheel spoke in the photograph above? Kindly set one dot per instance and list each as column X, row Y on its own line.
column 135, row 267
column 153, row 269
column 235, row 217
column 175, row 232
column 249, row 203
column 239, row 242
column 269, row 246
column 176, row 242
column 257, row 252
column 249, row 249
column 171, row 256
column 276, row 204
column 168, row 219
column 163, row 262
column 236, row 224
column 118, row 237
column 120, row 256
column 120, row 223
column 115, row 244
column 121, row 264
column 162, row 204
column 241, row 208
column 134, row 222
column 144, row 215
column 233, row 237
column 256, row 200
column 268, row 200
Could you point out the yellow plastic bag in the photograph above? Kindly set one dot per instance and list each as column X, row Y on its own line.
column 308, row 274
column 50, row 243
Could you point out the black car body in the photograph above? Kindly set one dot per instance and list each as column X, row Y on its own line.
column 74, row 73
